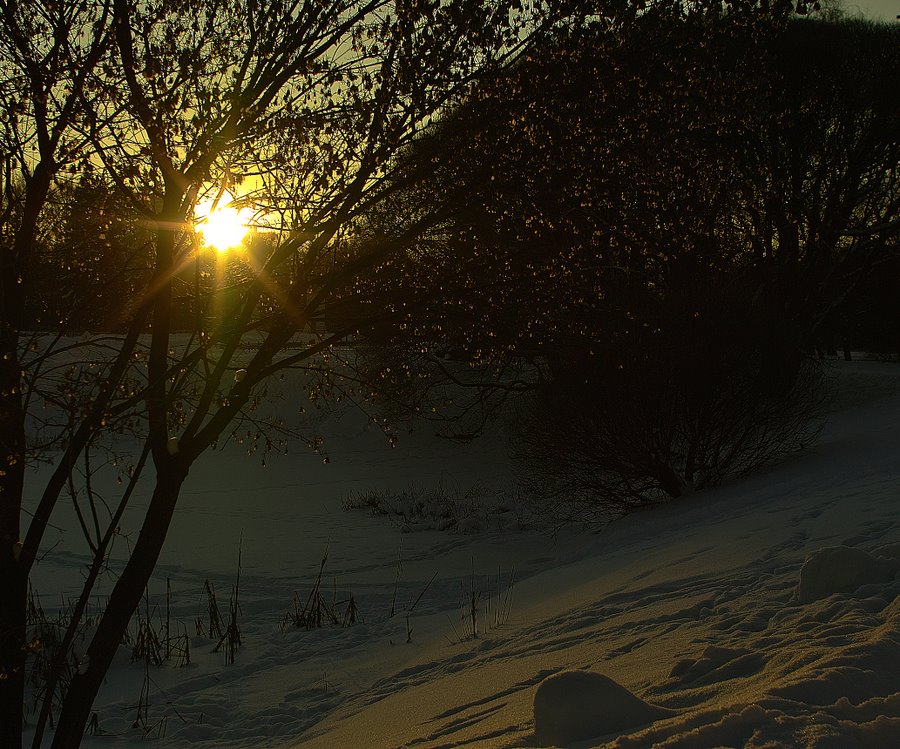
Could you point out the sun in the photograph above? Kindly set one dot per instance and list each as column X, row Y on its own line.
column 224, row 226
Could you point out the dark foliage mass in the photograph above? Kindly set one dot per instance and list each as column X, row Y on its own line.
column 665, row 224
column 94, row 257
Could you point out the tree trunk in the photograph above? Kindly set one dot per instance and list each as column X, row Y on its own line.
column 13, row 578
column 121, row 606
column 13, row 581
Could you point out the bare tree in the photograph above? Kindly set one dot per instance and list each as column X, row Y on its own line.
column 819, row 170
column 675, row 412
column 47, row 53
column 299, row 105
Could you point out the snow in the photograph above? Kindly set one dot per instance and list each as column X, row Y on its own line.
column 577, row 705
column 842, row 569
column 764, row 613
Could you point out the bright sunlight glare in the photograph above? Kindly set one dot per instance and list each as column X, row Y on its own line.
column 223, row 227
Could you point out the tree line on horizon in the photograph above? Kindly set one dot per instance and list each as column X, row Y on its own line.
column 800, row 128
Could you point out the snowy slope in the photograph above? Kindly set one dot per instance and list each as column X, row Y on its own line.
column 693, row 607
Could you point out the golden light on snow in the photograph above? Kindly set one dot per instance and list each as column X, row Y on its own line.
column 222, row 226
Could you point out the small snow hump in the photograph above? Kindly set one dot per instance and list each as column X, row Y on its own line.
column 577, row 705
column 841, row 569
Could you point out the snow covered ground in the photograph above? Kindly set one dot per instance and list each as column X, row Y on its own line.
column 761, row 614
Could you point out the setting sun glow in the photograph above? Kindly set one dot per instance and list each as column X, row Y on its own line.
column 224, row 226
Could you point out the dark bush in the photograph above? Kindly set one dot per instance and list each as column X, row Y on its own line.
column 710, row 394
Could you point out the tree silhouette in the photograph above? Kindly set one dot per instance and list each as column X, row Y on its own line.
column 299, row 105
column 48, row 53
column 651, row 205
column 819, row 171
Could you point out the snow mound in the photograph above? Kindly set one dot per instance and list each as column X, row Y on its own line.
column 578, row 705
column 841, row 569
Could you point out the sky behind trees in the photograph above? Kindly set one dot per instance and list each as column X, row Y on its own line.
column 882, row 10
